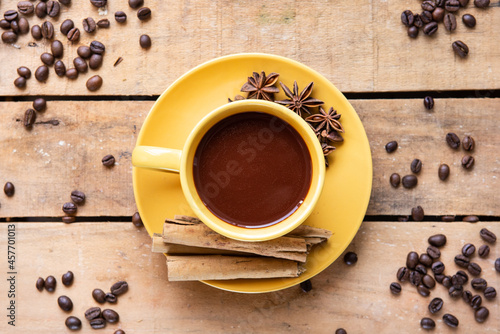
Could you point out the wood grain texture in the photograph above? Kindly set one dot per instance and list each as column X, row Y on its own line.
column 356, row 298
column 48, row 162
column 360, row 46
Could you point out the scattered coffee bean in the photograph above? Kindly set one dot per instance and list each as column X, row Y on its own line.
column 428, row 5
column 144, row 13
column 306, row 286
column 20, row 82
column 24, row 26
column 104, row 23
column 84, row 52
column 476, row 302
column 9, row 37
column 407, row 18
column 25, row 7
column 95, row 61
column 413, row 32
column 481, row 314
column 403, row 274
column 415, row 278
column 65, row 2
column 121, row 287
column 109, row 161
column 487, row 235
column 73, row 35
column 57, row 49
column 92, row 313
column 462, row 261
column 438, row 14
column 67, row 278
column 119, row 331
column 438, row 267
column 421, row 269
column 111, row 298
column 437, row 240
column 11, row 15
column 448, row 218
column 47, row 58
column 481, row 3
column 433, row 252
column 427, row 323
column 97, row 47
column 452, row 5
column 416, row 166
column 4, row 24
column 460, row 48
column 467, row 161
column 53, row 8
column 391, row 146
column 425, row 259
column 409, row 181
column 453, row 140
column 89, row 25
column 470, row 219
column 469, row 20
column 490, row 292
column 457, row 280
column 450, row 320
column 110, row 316
column 135, row 3
column 80, row 64
column 443, row 172
column 39, row 104
column 479, row 284
column 66, row 26
column 120, row 17
column 72, row 73
column 29, row 118
column 99, row 296
column 145, row 41
column 40, row 284
column 423, row 290
column 426, row 17
column 412, row 260
column 468, row 250
column 68, row 219
column 464, row 278
column 350, row 258
column 65, row 303
column 99, row 3
column 69, row 208
column 41, row 10
column 428, row 102
column 483, row 251
column 428, row 281
column 14, row 25
column 450, row 22
column 9, row 189
column 474, row 269
column 467, row 296
column 97, row 323
column 73, row 323
column 447, row 282
column 94, row 83
column 468, row 143
column 136, row 220
column 439, row 278
column 60, row 68
column 36, row 32
column 435, row 305
column 50, row 283
column 77, row 197
column 395, row 180
column 47, row 30
column 417, row 214
column 430, row 28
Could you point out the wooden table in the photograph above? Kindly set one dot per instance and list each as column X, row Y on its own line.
column 362, row 47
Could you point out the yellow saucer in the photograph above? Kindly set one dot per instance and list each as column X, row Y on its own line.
column 348, row 181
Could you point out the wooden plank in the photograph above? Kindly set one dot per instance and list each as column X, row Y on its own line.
column 343, row 40
column 47, row 163
column 356, row 298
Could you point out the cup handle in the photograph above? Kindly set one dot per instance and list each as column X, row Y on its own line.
column 166, row 159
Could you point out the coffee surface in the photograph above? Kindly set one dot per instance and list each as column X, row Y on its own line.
column 252, row 170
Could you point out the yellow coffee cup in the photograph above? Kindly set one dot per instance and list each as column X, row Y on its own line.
column 182, row 161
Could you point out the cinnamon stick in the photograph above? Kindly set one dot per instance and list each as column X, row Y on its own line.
column 173, row 249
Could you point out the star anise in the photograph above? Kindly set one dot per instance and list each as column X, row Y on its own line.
column 260, row 86
column 326, row 121
column 299, row 102
column 327, row 149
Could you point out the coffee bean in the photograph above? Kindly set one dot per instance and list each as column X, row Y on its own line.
column 463, row 277
column 84, row 52
column 487, row 235
column 50, row 283
column 450, row 22
column 9, row 189
column 416, row 166
column 483, row 251
column 417, row 214
column 20, row 82
column 67, row 278
column 403, row 274
column 443, row 172
column 65, row 2
column 437, row 240
column 11, row 15
column 350, row 258
column 69, row 208
column 93, row 313
column 467, row 161
column 9, row 37
column 14, row 25
column 135, row 3
column 421, row 269
column 391, row 146
column 73, row 35
column 94, row 83
column 460, row 48
column 481, row 314
column 68, row 219
column 453, row 140
column 120, row 17
column 417, row 21
column 425, row 259
column 430, row 28
column 29, row 118
column 394, row 180
column 428, row 102
column 60, row 68
column 99, row 3
column 104, row 23
column 426, row 17
column 39, row 104
column 412, row 32
column 476, row 302
column 403, row 218
column 463, row 3
column 89, row 25
column 53, row 8
column 99, row 296
column 95, row 61
column 144, row 13
column 36, row 32
column 407, row 18
column 47, row 30
column 468, row 143
column 462, row 261
column 427, row 323
column 77, row 197
column 469, row 20
column 467, row 296
column 109, row 161
column 428, row 281
column 136, row 220
column 40, row 284
column 438, row 267
column 481, row 3
column 72, row 73
column 47, row 58
column 423, row 290
column 435, row 305
column 97, row 323
column 338, row 331
column 433, row 252
column 490, row 292
column 57, row 49
column 25, row 7
column 409, row 181
column 66, row 26
column 438, row 14
column 415, row 278
column 479, row 284
column 121, row 287
column 73, row 323
column 428, row 5
column 470, row 219
column 468, row 250
column 41, row 9
column 457, row 280
column 450, row 320
column 111, row 298
column 110, row 316
column 24, row 26
column 145, row 41
column 447, row 282
column 474, row 269
column 97, row 47
column 412, row 260
column 4, row 24
column 439, row 278
column 80, row 64
column 452, row 5
column 65, row 303
column 448, row 218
